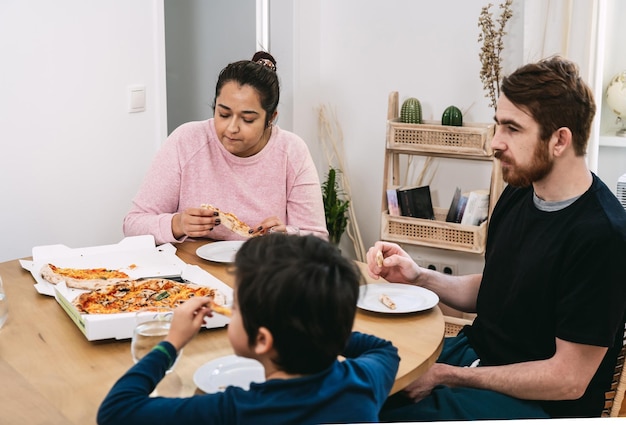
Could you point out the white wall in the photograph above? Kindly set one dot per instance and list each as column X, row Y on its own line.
column 352, row 61
column 199, row 42
column 71, row 156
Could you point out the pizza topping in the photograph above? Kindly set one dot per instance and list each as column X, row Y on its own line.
column 98, row 273
column 162, row 295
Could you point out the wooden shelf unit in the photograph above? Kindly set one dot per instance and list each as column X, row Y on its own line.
column 469, row 142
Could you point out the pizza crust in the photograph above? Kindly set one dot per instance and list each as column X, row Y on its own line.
column 54, row 275
column 50, row 276
column 221, row 309
column 230, row 221
column 379, row 258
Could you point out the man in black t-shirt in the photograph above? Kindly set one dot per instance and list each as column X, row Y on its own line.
column 551, row 300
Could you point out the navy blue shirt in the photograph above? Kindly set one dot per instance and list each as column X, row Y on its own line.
column 352, row 390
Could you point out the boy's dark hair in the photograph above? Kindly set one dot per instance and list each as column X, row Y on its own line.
column 259, row 74
column 304, row 291
column 554, row 94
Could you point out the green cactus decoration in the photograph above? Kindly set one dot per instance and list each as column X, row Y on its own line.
column 452, row 116
column 411, row 111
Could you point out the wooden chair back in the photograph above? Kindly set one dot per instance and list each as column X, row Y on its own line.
column 614, row 397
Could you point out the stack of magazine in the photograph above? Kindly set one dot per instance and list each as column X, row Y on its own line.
column 469, row 208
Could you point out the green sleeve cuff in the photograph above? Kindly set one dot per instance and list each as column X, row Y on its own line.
column 167, row 349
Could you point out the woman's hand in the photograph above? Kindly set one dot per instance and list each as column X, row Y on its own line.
column 264, row 227
column 195, row 223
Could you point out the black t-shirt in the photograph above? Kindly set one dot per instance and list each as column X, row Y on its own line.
column 554, row 274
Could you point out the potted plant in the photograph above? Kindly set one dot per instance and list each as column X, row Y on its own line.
column 335, row 208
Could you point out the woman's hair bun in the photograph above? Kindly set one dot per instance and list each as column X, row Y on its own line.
column 265, row 59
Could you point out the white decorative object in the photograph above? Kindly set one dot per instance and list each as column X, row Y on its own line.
column 616, row 99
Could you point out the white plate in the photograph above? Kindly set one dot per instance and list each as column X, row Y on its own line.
column 220, row 252
column 216, row 375
column 408, row 298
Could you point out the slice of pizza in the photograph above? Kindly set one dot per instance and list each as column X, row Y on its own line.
column 230, row 221
column 221, row 309
column 379, row 258
column 82, row 278
column 132, row 296
column 387, row 301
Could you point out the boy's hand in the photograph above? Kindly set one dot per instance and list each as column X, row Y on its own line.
column 187, row 321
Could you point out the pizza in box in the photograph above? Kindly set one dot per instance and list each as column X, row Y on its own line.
column 112, row 291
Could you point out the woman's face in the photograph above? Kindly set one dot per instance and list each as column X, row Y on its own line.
column 240, row 120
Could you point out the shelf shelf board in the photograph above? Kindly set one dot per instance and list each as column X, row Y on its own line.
column 612, row 140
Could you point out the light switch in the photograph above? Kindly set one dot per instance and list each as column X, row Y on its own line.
column 137, row 99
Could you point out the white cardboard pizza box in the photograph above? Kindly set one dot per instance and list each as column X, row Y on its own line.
column 147, row 260
column 120, row 326
column 137, row 256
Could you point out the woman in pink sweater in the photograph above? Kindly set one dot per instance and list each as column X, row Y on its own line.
column 239, row 161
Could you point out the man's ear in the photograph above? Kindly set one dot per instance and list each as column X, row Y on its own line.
column 264, row 341
column 563, row 140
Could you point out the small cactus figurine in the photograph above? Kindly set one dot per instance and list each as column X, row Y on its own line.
column 452, row 116
column 411, row 111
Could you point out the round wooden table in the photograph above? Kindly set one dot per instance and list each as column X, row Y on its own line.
column 51, row 374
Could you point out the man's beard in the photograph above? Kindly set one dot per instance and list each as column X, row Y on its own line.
column 517, row 176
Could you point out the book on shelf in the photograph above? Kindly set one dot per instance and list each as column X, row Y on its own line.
column 392, row 202
column 454, row 206
column 477, row 208
column 460, row 209
column 416, row 202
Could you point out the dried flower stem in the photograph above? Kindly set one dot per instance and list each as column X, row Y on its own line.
column 331, row 138
column 491, row 50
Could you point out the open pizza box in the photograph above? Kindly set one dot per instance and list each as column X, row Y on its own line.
column 137, row 256
column 147, row 261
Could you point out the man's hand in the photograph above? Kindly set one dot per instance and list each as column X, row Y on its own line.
column 564, row 376
column 423, row 386
column 397, row 266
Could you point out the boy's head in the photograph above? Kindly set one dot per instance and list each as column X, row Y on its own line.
column 303, row 291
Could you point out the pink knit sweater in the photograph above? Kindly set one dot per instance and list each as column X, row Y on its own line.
column 193, row 168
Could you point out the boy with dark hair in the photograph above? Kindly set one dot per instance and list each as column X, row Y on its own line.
column 294, row 306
